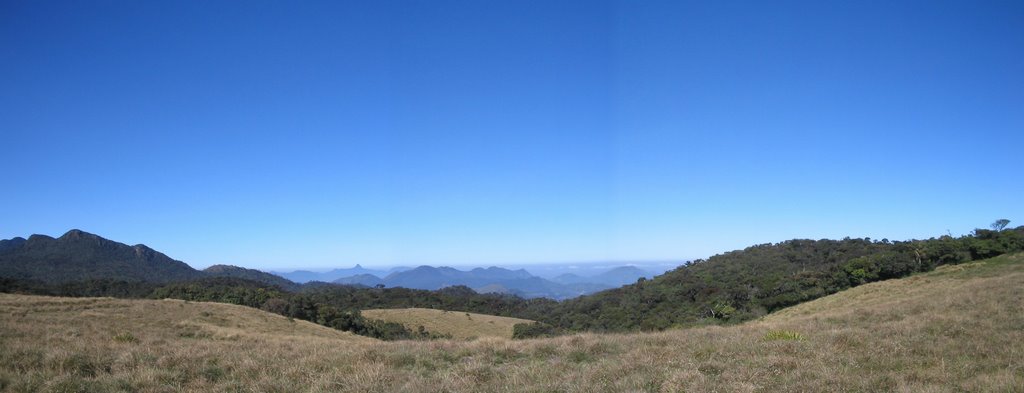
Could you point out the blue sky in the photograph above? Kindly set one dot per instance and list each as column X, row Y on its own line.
column 322, row 134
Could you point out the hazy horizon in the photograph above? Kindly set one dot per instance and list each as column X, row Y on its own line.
column 457, row 133
column 582, row 265
column 543, row 270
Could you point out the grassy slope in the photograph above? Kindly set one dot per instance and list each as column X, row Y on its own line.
column 101, row 344
column 958, row 329
column 459, row 325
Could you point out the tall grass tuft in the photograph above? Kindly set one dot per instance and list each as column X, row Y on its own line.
column 125, row 337
column 783, row 335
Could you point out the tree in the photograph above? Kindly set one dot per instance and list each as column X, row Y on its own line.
column 1000, row 224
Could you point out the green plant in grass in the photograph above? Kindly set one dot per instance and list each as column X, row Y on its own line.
column 125, row 337
column 783, row 335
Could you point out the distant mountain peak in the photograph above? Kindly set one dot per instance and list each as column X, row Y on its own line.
column 11, row 244
column 221, row 268
column 37, row 238
column 142, row 251
column 79, row 234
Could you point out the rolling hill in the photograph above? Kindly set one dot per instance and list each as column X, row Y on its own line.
column 955, row 329
column 250, row 274
column 745, row 284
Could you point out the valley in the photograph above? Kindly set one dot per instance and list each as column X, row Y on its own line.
column 957, row 328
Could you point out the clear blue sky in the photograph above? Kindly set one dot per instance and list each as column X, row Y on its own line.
column 318, row 134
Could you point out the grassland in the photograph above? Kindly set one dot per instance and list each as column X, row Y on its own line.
column 459, row 325
column 960, row 328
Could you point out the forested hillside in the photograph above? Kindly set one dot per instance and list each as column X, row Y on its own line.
column 744, row 284
column 250, row 274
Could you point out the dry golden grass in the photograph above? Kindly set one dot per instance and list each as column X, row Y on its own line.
column 460, row 325
column 957, row 329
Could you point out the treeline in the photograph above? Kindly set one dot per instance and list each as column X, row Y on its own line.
column 535, row 330
column 727, row 288
column 330, row 305
column 86, row 288
column 319, row 302
column 309, row 305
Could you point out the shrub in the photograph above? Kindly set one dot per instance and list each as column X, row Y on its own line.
column 534, row 330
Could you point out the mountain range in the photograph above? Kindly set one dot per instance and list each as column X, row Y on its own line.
column 304, row 276
column 81, row 256
column 484, row 280
column 492, row 279
column 616, row 277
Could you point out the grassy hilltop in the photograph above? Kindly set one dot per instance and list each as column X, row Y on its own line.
column 461, row 325
column 959, row 328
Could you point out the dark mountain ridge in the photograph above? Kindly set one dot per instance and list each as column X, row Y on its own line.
column 81, row 256
column 11, row 243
